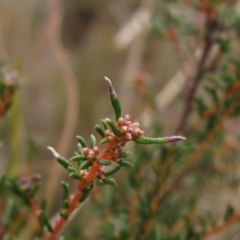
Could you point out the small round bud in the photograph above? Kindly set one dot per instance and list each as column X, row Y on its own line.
column 85, row 152
column 83, row 173
column 128, row 136
column 127, row 117
column 120, row 122
column 141, row 133
column 96, row 150
column 91, row 154
column 100, row 174
column 124, row 129
column 136, row 125
column 119, row 148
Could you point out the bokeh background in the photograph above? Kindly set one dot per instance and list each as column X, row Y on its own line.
column 62, row 50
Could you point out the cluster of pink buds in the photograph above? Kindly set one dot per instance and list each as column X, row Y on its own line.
column 129, row 130
column 110, row 136
column 91, row 153
column 115, row 152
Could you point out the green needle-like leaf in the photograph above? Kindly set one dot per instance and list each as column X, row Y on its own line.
column 125, row 163
column 79, row 158
column 85, row 165
column 114, row 100
column 81, row 141
column 104, row 162
column 112, row 171
column 113, row 127
column 100, row 131
column 110, row 181
column 75, row 175
column 66, row 191
column 148, row 140
column 93, row 141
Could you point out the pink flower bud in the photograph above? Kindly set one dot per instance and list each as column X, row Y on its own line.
column 120, row 122
column 91, row 154
column 136, row 125
column 96, row 150
column 83, row 173
column 128, row 136
column 85, row 152
column 127, row 117
column 124, row 129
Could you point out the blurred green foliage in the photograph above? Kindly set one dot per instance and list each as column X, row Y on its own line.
column 185, row 191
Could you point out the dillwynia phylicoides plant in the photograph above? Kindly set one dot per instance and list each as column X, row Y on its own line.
column 86, row 166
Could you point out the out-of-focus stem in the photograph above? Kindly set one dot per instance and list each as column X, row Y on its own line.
column 72, row 93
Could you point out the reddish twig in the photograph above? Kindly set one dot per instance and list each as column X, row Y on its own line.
column 210, row 37
column 74, row 198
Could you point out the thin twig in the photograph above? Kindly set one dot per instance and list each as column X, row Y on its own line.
column 83, row 183
column 210, row 37
column 197, row 154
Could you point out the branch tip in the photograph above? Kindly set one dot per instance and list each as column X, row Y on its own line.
column 173, row 139
column 112, row 92
column 54, row 152
column 108, row 80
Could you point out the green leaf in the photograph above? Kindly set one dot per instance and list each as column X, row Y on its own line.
column 72, row 169
column 86, row 165
column 122, row 144
column 114, row 100
column 229, row 211
column 93, row 141
column 78, row 158
column 113, row 127
column 110, row 181
column 100, row 131
column 75, row 175
column 117, row 108
column 148, row 140
column 95, row 182
column 125, row 154
column 85, row 193
column 112, row 171
column 100, row 182
column 201, row 106
column 125, row 163
column 16, row 189
column 104, row 162
column 105, row 126
column 83, row 196
column 63, row 214
column 46, row 221
column 104, row 141
column 66, row 191
column 87, row 189
column 35, row 189
column 43, row 204
column 81, row 141
column 64, row 162
column 66, row 204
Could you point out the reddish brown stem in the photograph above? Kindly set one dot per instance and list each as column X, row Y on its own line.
column 74, row 198
column 210, row 37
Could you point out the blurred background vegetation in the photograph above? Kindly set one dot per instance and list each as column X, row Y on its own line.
column 175, row 66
